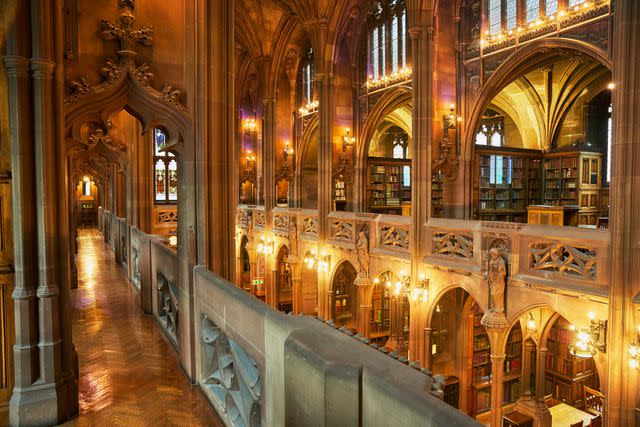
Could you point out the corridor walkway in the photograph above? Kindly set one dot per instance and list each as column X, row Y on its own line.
column 129, row 373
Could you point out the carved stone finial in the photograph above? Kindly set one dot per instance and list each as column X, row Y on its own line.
column 125, row 33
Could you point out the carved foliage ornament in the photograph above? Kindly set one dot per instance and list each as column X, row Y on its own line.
column 310, row 226
column 231, row 376
column 341, row 230
column 393, row 237
column 563, row 259
column 113, row 73
column 244, row 219
column 451, row 244
column 169, row 216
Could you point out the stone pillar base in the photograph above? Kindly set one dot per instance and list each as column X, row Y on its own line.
column 44, row 404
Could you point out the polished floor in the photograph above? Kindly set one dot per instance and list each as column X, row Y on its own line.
column 129, row 373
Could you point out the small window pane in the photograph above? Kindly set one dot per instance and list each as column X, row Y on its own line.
column 374, row 52
column 394, row 44
column 160, row 180
column 403, row 38
column 406, row 176
column 87, row 188
column 173, row 180
column 533, row 10
column 481, row 139
column 495, row 16
column 159, row 142
column 551, row 7
column 511, row 14
column 383, row 50
column 496, row 140
column 575, row 2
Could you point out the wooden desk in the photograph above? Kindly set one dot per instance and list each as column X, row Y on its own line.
column 553, row 215
column 563, row 415
column 516, row 419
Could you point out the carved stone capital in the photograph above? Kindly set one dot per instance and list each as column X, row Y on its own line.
column 16, row 66
column 42, row 69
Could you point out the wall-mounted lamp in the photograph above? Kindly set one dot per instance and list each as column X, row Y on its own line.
column 348, row 140
column 531, row 323
column 249, row 156
column 319, row 263
column 421, row 292
column 287, row 152
column 86, row 179
column 590, row 341
column 451, row 120
column 265, row 246
column 249, row 125
column 173, row 241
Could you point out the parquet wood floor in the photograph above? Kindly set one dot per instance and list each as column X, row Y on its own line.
column 129, row 373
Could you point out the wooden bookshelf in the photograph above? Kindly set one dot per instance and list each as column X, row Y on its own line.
column 379, row 325
column 511, row 383
column 565, row 374
column 481, row 364
column 437, row 199
column 506, row 182
column 387, row 189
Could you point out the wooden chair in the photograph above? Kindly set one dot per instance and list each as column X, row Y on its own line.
column 596, row 422
column 593, row 401
column 602, row 222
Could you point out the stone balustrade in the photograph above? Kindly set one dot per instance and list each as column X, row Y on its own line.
column 572, row 258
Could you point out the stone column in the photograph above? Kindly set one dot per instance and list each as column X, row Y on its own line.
column 325, row 84
column 497, row 375
column 365, row 292
column 421, row 33
column 425, row 361
column 525, row 381
column 622, row 384
column 269, row 166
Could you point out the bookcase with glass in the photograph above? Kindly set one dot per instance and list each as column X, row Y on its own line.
column 481, row 364
column 389, row 185
column 379, row 325
column 508, row 181
column 512, row 366
column 437, row 199
column 565, row 374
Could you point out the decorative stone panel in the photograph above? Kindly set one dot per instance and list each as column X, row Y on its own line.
column 168, row 306
column 231, row 376
column 563, row 259
column 454, row 245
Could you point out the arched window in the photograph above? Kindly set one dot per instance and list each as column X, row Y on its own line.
column 387, row 39
column 575, row 2
column 533, row 10
column 86, row 188
column 551, row 7
column 165, row 170
column 503, row 14
column 307, row 79
column 495, row 16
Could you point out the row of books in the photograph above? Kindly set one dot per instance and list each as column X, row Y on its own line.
column 511, row 391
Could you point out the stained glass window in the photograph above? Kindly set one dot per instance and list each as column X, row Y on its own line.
column 394, row 44
column 161, row 193
column 403, row 37
column 383, row 52
column 533, row 10
column 495, row 16
column 87, row 188
column 173, row 180
column 406, row 176
column 575, row 2
column 165, row 170
column 398, row 151
column 374, row 52
column 512, row 14
column 551, row 7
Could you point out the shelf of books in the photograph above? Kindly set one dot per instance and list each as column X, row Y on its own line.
column 379, row 316
column 437, row 200
column 565, row 374
column 512, row 366
column 481, row 367
column 508, row 181
column 389, row 186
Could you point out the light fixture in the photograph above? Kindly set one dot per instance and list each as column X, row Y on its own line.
column 611, row 86
column 173, row 241
column 265, row 246
column 249, row 125
column 634, row 351
column 319, row 263
column 398, row 76
column 348, row 140
column 287, row 151
column 310, row 107
column 451, row 119
column 589, row 341
column 531, row 323
column 249, row 156
column 421, row 292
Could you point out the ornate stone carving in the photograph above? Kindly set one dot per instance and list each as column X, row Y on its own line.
column 393, row 237
column 281, row 221
column 231, row 376
column 168, row 306
column 123, row 249
column 563, row 259
column 310, row 226
column 244, row 219
column 99, row 137
column 124, row 32
column 166, row 216
column 362, row 249
column 498, row 225
column 341, row 230
column 496, row 277
column 260, row 219
column 451, row 244
column 136, row 275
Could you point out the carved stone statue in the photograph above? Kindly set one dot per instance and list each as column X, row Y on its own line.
column 496, row 279
column 362, row 248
